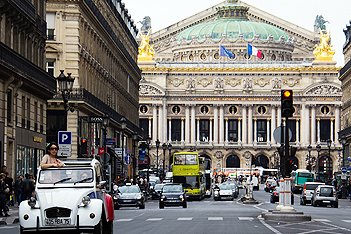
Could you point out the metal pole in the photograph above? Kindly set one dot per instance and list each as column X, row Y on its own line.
column 286, row 155
column 164, row 159
column 156, row 160
column 134, row 162
column 122, row 155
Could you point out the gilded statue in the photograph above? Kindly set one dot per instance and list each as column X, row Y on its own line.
column 324, row 50
column 146, row 51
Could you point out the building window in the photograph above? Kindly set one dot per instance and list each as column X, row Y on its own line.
column 233, row 110
column 144, row 124
column 202, row 56
column 204, row 110
column 50, row 25
column 204, row 130
column 292, row 126
column 176, row 110
column 325, row 110
column 176, row 130
column 261, row 110
column 28, row 113
column 35, row 116
column 232, row 130
column 50, row 67
column 216, row 56
column 324, row 130
column 23, row 112
column 261, row 130
column 143, row 109
column 9, row 106
column 41, row 118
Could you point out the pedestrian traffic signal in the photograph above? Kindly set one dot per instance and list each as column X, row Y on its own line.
column 287, row 103
column 84, row 147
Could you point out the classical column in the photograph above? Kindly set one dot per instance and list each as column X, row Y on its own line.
column 249, row 127
column 193, row 125
column 215, row 124
column 182, row 130
column 255, row 131
column 337, row 123
column 187, row 125
column 268, row 132
column 279, row 116
column 273, row 123
column 226, row 131
column 297, row 131
column 221, row 125
column 313, row 124
column 150, row 126
column 211, row 131
column 164, row 120
column 318, row 131
column 170, row 130
column 160, row 123
column 244, row 123
column 198, row 130
column 332, row 130
column 239, row 131
column 154, row 123
column 305, row 125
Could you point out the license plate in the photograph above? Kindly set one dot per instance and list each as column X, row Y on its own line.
column 326, row 201
column 57, row 221
column 173, row 200
column 127, row 200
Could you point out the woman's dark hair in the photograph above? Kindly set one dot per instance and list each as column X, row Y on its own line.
column 51, row 144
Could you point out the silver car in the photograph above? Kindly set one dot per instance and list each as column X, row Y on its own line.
column 325, row 195
column 307, row 191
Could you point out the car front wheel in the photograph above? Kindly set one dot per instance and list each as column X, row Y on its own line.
column 98, row 229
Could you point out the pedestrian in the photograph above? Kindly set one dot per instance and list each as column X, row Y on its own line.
column 18, row 189
column 50, row 158
column 28, row 187
column 4, row 190
column 9, row 183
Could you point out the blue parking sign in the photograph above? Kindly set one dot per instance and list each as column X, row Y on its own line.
column 64, row 138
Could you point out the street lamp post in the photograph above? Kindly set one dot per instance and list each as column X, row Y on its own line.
column 105, row 123
column 65, row 84
column 309, row 148
column 157, row 146
column 135, row 158
column 164, row 148
column 343, row 142
column 148, row 142
column 123, row 123
column 170, row 154
column 318, row 147
column 328, row 160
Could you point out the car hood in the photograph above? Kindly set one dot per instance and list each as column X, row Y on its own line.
column 172, row 194
column 128, row 195
column 62, row 197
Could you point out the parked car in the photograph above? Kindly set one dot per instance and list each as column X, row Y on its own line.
column 325, row 195
column 225, row 191
column 156, row 191
column 275, row 196
column 173, row 195
column 307, row 191
column 71, row 198
column 129, row 196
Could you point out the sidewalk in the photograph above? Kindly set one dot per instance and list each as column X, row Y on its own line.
column 13, row 218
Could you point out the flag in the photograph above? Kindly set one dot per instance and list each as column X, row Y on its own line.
column 251, row 50
column 225, row 52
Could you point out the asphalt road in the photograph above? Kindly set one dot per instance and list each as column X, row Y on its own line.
column 209, row 216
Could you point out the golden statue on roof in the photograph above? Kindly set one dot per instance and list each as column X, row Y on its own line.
column 324, row 50
column 146, row 51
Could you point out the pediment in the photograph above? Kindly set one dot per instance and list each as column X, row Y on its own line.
column 148, row 89
column 323, row 90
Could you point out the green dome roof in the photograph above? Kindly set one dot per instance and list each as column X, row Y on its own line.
column 231, row 28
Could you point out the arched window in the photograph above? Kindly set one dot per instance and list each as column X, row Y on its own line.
column 232, row 161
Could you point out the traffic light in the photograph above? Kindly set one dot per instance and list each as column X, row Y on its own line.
column 287, row 103
column 83, row 147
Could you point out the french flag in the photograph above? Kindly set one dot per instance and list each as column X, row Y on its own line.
column 251, row 50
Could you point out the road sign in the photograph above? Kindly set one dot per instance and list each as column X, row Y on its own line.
column 64, row 138
column 343, row 170
column 277, row 133
column 64, row 151
column 118, row 151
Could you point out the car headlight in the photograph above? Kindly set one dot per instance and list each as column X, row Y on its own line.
column 32, row 201
column 86, row 200
column 138, row 196
column 181, row 197
column 163, row 197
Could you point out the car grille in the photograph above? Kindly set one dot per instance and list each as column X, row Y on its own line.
column 55, row 212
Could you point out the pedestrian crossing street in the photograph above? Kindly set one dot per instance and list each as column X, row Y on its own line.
column 218, row 218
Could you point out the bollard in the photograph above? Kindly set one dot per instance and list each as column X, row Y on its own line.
column 281, row 193
column 287, row 192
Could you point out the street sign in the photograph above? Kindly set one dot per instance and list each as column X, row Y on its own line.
column 277, row 133
column 118, row 151
column 64, row 143
column 343, row 170
column 110, row 141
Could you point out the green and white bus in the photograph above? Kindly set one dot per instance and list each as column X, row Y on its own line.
column 299, row 177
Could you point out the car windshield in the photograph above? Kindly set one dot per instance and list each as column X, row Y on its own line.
column 172, row 188
column 129, row 189
column 159, row 186
column 225, row 187
column 326, row 192
column 65, row 176
column 311, row 186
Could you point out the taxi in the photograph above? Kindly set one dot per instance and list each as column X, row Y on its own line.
column 70, row 198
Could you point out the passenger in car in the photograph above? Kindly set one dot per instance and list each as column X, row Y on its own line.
column 50, row 158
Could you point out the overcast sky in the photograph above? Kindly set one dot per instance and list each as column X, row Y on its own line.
column 300, row 12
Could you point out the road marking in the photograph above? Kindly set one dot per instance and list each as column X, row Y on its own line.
column 154, row 219
column 245, row 218
column 215, row 218
column 123, row 220
column 321, row 220
column 346, row 221
column 185, row 219
column 268, row 226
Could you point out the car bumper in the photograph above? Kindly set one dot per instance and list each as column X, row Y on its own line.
column 128, row 202
column 173, row 202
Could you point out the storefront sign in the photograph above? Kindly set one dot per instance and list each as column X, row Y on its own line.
column 37, row 139
column 96, row 119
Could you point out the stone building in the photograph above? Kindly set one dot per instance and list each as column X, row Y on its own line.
column 25, row 87
column 96, row 42
column 228, row 108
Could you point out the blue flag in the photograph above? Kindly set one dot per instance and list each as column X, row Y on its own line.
column 225, row 52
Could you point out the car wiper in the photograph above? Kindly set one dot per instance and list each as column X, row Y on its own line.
column 83, row 180
column 63, row 180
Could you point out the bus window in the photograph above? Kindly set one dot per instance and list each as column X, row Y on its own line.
column 179, row 159
column 191, row 159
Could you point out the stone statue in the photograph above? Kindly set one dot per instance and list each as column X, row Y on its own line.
column 146, row 51
column 319, row 23
column 324, row 50
column 146, row 25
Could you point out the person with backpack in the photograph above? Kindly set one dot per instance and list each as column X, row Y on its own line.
column 28, row 187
